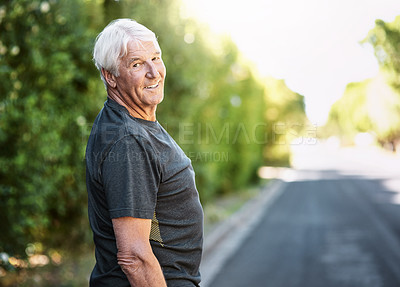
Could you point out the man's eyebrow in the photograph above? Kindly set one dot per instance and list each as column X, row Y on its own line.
column 131, row 60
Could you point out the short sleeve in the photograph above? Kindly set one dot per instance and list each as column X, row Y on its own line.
column 131, row 178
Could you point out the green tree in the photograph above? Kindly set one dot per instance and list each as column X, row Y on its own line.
column 287, row 121
column 349, row 115
column 46, row 75
column 369, row 106
column 373, row 105
column 385, row 38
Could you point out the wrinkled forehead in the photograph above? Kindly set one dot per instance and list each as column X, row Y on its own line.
column 148, row 46
column 145, row 45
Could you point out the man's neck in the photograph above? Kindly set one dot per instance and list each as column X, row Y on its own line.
column 136, row 112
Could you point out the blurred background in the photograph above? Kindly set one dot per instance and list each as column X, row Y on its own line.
column 247, row 84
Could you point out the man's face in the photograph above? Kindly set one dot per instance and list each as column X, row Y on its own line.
column 141, row 75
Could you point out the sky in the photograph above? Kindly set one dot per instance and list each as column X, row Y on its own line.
column 314, row 45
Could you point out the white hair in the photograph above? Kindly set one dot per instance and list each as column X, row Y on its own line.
column 111, row 44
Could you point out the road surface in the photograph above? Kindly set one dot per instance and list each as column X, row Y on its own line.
column 335, row 223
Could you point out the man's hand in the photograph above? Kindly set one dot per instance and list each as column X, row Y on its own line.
column 135, row 255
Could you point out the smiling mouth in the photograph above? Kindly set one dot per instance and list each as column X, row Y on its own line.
column 153, row 86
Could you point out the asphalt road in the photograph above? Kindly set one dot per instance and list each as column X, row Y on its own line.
column 335, row 223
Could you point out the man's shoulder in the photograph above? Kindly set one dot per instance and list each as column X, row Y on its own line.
column 114, row 127
column 116, row 122
column 113, row 131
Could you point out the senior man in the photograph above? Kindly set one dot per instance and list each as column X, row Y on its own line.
column 144, row 208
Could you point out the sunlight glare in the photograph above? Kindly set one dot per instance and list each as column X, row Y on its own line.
column 312, row 44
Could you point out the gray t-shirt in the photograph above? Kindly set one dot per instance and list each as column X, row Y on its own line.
column 134, row 168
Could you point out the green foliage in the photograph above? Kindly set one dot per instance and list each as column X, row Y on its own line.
column 385, row 38
column 45, row 80
column 349, row 115
column 373, row 105
column 370, row 106
column 287, row 121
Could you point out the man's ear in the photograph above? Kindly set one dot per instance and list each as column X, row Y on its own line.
column 109, row 77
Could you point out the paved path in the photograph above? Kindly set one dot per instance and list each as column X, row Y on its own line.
column 327, row 224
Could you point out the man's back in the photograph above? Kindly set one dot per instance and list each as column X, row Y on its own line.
column 135, row 169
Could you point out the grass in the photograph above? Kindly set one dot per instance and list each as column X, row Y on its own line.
column 225, row 206
column 72, row 272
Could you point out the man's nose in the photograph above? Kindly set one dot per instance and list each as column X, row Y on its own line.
column 152, row 70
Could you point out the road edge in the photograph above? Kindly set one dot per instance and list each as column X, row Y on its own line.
column 221, row 243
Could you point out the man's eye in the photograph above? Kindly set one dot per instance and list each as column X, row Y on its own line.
column 156, row 58
column 136, row 65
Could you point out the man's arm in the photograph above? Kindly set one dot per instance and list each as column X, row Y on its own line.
column 135, row 255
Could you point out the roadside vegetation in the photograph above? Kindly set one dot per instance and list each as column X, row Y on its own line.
column 369, row 111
